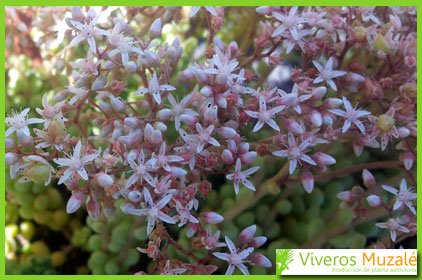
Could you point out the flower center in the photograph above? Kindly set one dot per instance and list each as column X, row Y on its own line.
column 153, row 211
column 238, row 176
column 178, row 109
column 125, row 47
column 49, row 112
column 88, row 31
column 235, row 259
column 18, row 121
column 265, row 116
column 290, row 21
column 204, row 137
column 162, row 160
column 326, row 74
column 75, row 164
column 351, row 115
column 141, row 170
column 295, row 153
column 403, row 196
column 385, row 122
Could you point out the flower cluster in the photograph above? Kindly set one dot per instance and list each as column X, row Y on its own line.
column 405, row 223
column 157, row 146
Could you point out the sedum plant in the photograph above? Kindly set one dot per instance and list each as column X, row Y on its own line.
column 146, row 122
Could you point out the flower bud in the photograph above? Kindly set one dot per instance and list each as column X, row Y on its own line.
column 99, row 83
column 360, row 34
column 10, row 144
column 374, row 200
column 246, row 235
column 106, row 107
column 307, row 181
column 261, row 41
column 315, row 118
column 354, row 78
column 261, row 260
column 210, row 114
column 347, row 196
column 106, row 129
column 407, row 159
column 126, row 207
column 186, row 75
column 248, row 158
column 189, row 120
column 368, row 179
column 227, row 132
column 104, row 180
column 127, row 140
column 24, row 139
column 403, row 132
column 131, row 122
column 319, row 92
column 177, row 172
column 155, row 29
column 174, row 52
column 77, row 13
column 227, row 157
column 93, row 208
column 221, row 101
column 232, row 146
column 219, row 44
column 293, row 126
column 357, row 148
column 148, row 131
column 258, row 241
column 81, row 82
column 117, row 131
column 333, row 103
column 131, row 66
column 382, row 44
column 212, row 217
column 11, row 158
column 152, row 59
column 327, row 119
column 109, row 65
column 156, row 138
column 61, row 96
column 323, row 159
column 206, row 91
column 74, row 202
column 234, row 48
column 118, row 104
column 55, row 129
column 243, row 147
column 373, row 89
column 221, row 79
column 160, row 126
column 164, row 114
column 413, row 228
column 264, row 10
column 191, row 229
column 201, row 76
column 135, row 196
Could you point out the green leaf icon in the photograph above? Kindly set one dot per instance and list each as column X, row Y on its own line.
column 284, row 257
